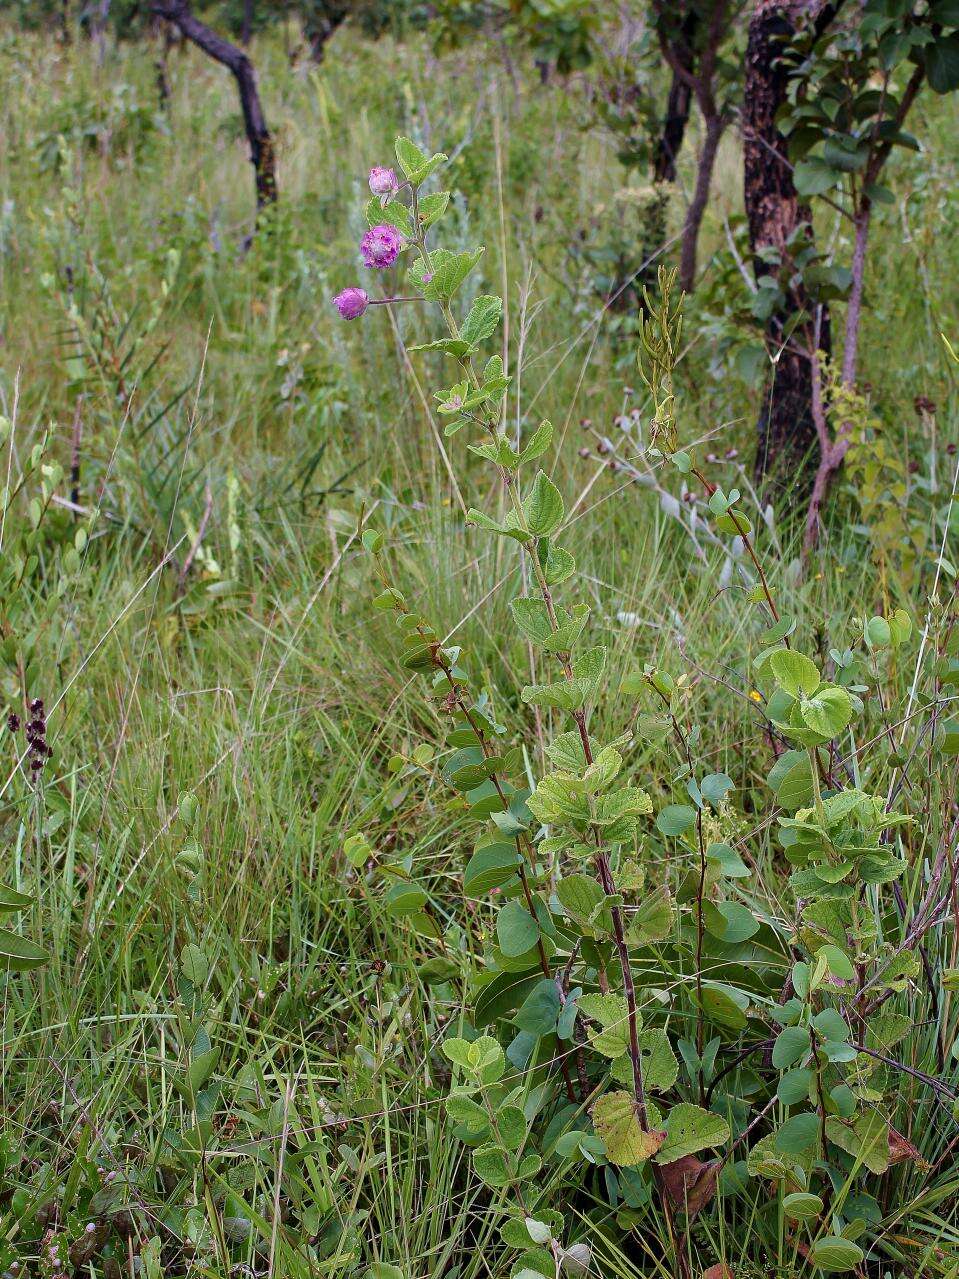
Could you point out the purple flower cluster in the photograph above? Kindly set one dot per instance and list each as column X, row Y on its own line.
column 380, row 246
column 38, row 748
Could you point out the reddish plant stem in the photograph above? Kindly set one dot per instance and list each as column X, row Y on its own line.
column 600, row 860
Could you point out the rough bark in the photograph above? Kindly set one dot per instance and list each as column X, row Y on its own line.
column 787, row 435
column 236, row 61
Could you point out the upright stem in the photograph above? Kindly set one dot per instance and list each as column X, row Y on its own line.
column 746, row 541
column 817, row 790
column 600, row 860
column 460, row 702
column 700, row 895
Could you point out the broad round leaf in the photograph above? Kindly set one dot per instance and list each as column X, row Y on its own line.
column 802, row 1207
column 792, row 1044
column 616, row 1121
column 516, row 929
column 835, row 1255
column 794, row 672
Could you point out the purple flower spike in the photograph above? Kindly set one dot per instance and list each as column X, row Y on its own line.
column 380, row 246
column 383, row 181
column 351, row 303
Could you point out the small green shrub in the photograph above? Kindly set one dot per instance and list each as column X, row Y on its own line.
column 640, row 1008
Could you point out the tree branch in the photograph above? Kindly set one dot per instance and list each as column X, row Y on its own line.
column 236, row 61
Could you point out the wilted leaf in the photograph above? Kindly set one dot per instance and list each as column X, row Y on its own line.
column 690, row 1183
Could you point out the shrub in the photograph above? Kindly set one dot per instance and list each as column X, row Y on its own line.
column 645, row 1006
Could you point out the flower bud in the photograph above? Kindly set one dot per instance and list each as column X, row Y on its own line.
column 383, row 181
column 351, row 303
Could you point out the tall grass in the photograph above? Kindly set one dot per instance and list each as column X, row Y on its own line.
column 261, row 684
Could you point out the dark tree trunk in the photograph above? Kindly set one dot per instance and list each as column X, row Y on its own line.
column 246, row 30
column 674, row 130
column 678, row 104
column 321, row 28
column 787, row 434
column 237, row 62
column 697, row 205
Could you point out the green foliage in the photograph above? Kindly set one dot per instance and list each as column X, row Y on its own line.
column 559, row 33
column 586, row 895
column 267, row 873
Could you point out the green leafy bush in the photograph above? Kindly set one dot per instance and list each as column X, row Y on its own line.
column 639, row 1006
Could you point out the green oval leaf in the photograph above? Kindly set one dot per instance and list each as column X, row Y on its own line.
column 835, row 1254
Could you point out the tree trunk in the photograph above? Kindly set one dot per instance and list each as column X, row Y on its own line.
column 237, row 62
column 246, row 30
column 835, row 450
column 322, row 27
column 678, row 104
column 674, row 130
column 697, row 205
column 99, row 29
column 785, row 454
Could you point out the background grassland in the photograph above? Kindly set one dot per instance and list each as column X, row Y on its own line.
column 269, row 689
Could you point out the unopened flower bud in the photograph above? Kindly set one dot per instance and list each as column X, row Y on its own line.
column 351, row 303
column 383, row 181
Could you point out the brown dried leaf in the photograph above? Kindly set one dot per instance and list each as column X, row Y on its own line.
column 690, row 1183
column 901, row 1149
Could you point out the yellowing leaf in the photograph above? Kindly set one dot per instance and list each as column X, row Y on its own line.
column 616, row 1121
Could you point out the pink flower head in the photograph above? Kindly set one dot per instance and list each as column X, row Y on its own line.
column 351, row 303
column 383, row 181
column 380, row 246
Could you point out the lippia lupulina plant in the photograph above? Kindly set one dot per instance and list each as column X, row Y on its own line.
column 641, row 1010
